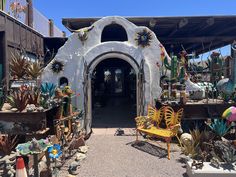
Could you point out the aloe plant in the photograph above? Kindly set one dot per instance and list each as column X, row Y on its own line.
column 34, row 69
column 8, row 142
column 18, row 66
column 34, row 97
column 18, row 99
column 220, row 127
column 48, row 89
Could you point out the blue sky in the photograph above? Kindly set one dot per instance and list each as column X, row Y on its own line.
column 58, row 9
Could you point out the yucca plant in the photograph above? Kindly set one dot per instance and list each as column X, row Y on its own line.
column 18, row 65
column 190, row 149
column 18, row 99
column 196, row 134
column 34, row 69
column 220, row 127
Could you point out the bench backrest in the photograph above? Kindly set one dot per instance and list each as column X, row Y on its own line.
column 156, row 115
column 171, row 117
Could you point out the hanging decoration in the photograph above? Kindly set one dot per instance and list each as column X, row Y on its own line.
column 144, row 38
column 57, row 66
column 17, row 8
column 83, row 33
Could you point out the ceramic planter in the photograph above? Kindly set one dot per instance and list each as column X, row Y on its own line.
column 210, row 171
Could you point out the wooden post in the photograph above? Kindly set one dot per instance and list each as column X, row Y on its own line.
column 51, row 28
column 36, row 167
column 29, row 15
column 233, row 66
column 63, row 34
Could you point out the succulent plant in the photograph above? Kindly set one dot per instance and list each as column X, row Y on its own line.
column 225, row 151
column 18, row 99
column 34, row 97
column 196, row 134
column 34, row 69
column 8, row 142
column 48, row 89
column 18, row 66
column 220, row 127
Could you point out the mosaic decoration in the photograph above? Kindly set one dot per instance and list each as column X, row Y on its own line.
column 55, row 151
column 144, row 38
column 33, row 147
column 57, row 66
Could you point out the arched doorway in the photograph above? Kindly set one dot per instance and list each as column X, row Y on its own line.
column 113, row 86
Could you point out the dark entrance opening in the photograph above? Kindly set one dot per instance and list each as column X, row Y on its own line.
column 113, row 94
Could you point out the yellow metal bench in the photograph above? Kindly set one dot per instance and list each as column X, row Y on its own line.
column 150, row 124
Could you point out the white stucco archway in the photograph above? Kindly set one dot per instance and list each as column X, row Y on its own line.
column 92, row 66
column 80, row 57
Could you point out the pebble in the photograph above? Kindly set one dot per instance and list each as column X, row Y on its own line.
column 70, row 176
column 83, row 149
column 80, row 156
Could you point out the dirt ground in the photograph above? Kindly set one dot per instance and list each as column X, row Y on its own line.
column 118, row 156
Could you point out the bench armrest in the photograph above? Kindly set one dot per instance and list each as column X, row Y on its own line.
column 143, row 122
column 174, row 128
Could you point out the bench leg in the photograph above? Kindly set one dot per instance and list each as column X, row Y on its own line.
column 136, row 135
column 168, row 146
column 168, row 149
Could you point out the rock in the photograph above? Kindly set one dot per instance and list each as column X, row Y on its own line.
column 76, row 143
column 30, row 108
column 83, row 149
column 80, row 156
column 43, row 164
column 70, row 176
column 6, row 106
column 45, row 173
column 73, row 168
column 40, row 109
column 186, row 139
column 14, row 109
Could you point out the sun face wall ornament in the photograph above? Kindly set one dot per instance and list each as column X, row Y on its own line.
column 144, row 38
column 57, row 66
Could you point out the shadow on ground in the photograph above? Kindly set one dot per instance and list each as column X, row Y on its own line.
column 150, row 149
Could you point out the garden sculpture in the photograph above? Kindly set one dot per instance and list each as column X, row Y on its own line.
column 230, row 114
column 227, row 86
column 177, row 69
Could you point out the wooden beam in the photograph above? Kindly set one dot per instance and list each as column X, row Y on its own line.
column 201, row 39
column 183, row 22
column 30, row 18
column 204, row 25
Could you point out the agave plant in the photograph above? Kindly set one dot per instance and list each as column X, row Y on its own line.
column 34, row 69
column 18, row 99
column 220, row 127
column 48, row 89
column 18, row 66
column 225, row 151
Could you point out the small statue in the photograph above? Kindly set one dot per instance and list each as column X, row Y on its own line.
column 67, row 92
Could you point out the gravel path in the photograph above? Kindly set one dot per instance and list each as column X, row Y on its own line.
column 117, row 156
